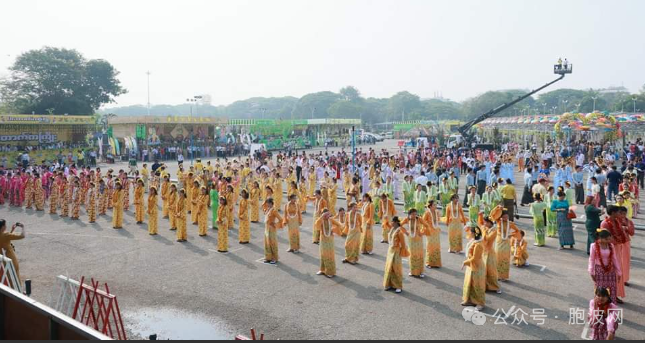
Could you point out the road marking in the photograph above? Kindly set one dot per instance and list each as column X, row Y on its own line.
column 539, row 265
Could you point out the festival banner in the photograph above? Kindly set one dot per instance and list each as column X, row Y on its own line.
column 27, row 119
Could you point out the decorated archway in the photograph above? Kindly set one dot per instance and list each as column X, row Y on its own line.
column 595, row 125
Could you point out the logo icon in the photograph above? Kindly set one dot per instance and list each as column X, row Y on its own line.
column 471, row 314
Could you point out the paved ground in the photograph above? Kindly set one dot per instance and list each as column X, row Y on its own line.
column 289, row 301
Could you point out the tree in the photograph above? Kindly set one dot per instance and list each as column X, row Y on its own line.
column 350, row 93
column 481, row 104
column 627, row 103
column 315, row 104
column 442, row 110
column 564, row 100
column 59, row 80
column 402, row 103
column 346, row 109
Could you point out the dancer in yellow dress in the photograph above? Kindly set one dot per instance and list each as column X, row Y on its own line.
column 489, row 235
column 64, row 198
column 153, row 212
column 393, row 278
column 172, row 204
column 230, row 200
column 319, row 206
column 332, row 196
column 222, row 226
column 180, row 216
column 520, row 252
column 505, row 231
column 328, row 227
column 353, row 231
column 312, row 181
column 103, row 196
column 29, row 191
column 417, row 230
column 475, row 277
column 303, row 196
column 39, row 193
column 433, row 232
column 76, row 199
column 165, row 195
column 188, row 187
column 272, row 223
column 455, row 219
column 201, row 211
column 367, row 236
column 139, row 204
column 255, row 202
column 386, row 212
column 117, row 207
column 91, row 206
column 293, row 221
column 277, row 191
column 53, row 197
column 194, row 202
column 243, row 215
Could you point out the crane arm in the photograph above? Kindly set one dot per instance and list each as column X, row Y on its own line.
column 465, row 129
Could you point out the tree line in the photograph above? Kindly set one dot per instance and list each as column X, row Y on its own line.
column 63, row 81
column 348, row 103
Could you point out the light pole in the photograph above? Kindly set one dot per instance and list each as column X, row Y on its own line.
column 544, row 107
column 578, row 106
column 565, row 102
column 634, row 99
column 594, row 102
column 192, row 101
column 148, row 73
column 264, row 111
column 553, row 109
column 313, row 110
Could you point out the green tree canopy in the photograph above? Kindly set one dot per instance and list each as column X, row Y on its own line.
column 442, row 109
column 350, row 93
column 402, row 103
column 316, row 104
column 52, row 80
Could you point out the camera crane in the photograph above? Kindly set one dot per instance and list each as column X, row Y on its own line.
column 558, row 69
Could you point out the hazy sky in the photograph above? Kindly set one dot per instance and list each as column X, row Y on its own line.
column 236, row 49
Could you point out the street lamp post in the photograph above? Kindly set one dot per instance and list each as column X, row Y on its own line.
column 148, row 73
column 578, row 107
column 544, row 107
column 565, row 102
column 594, row 102
column 192, row 101
column 634, row 99
column 553, row 109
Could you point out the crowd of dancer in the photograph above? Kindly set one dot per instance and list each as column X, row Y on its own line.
column 426, row 180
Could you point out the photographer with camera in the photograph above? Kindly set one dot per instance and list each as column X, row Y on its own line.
column 5, row 242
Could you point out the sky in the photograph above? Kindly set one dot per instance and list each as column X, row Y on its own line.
column 237, row 49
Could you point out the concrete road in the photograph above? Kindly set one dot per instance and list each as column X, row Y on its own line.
column 235, row 292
